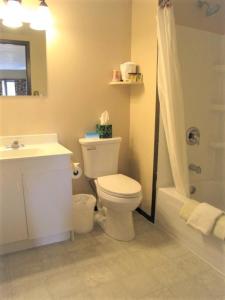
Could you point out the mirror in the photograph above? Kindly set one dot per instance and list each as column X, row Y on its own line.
column 23, row 67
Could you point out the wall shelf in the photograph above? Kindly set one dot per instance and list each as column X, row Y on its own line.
column 218, row 107
column 218, row 145
column 125, row 83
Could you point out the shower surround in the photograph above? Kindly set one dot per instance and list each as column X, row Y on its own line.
column 202, row 60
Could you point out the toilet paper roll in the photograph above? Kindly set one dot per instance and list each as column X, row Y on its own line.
column 76, row 171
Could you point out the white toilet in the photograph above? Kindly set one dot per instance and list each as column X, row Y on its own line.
column 118, row 194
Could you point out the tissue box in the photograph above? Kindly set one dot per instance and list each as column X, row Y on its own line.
column 104, row 131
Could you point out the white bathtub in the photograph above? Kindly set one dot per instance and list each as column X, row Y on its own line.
column 210, row 191
column 209, row 248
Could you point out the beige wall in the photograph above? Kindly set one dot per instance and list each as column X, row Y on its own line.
column 142, row 107
column 90, row 38
column 188, row 14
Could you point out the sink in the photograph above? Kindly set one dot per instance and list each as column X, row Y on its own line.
column 35, row 146
column 20, row 152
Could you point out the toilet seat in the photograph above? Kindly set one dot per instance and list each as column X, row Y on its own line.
column 119, row 185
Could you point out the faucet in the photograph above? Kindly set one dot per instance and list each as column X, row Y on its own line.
column 194, row 168
column 192, row 189
column 193, row 136
column 15, row 145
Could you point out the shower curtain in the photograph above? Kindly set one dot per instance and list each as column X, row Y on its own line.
column 171, row 96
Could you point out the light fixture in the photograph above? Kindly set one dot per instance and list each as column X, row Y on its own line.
column 13, row 13
column 42, row 18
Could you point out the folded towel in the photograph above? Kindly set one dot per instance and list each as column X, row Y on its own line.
column 204, row 217
column 188, row 208
column 219, row 229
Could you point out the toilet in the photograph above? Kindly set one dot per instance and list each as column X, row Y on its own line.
column 118, row 195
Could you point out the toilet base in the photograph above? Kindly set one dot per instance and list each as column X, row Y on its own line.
column 118, row 225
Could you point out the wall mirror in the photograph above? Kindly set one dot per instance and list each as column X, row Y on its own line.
column 23, row 67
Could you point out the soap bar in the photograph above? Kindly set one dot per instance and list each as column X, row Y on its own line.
column 91, row 135
column 104, row 131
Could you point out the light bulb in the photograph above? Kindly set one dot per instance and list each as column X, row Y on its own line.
column 2, row 9
column 42, row 18
column 13, row 14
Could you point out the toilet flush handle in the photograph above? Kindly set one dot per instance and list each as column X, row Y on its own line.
column 91, row 148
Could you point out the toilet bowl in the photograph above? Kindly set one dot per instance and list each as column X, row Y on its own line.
column 120, row 195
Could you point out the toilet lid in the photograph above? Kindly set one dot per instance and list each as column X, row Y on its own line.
column 119, row 185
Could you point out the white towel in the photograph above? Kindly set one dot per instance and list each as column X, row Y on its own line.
column 219, row 229
column 204, row 217
column 188, row 208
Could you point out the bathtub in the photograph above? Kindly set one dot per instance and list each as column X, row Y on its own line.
column 212, row 192
column 169, row 203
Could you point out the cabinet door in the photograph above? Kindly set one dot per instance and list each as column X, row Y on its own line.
column 13, row 226
column 48, row 197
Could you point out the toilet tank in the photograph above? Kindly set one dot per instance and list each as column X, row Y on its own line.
column 100, row 156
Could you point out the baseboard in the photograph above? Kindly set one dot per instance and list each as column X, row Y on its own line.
column 28, row 244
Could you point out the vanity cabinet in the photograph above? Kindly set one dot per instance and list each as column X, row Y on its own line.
column 13, row 225
column 35, row 198
column 48, row 202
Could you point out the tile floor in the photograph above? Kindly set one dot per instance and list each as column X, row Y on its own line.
column 153, row 266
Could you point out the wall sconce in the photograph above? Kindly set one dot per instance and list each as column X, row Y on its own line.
column 42, row 17
column 14, row 15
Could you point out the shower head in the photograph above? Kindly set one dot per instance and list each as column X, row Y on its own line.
column 211, row 8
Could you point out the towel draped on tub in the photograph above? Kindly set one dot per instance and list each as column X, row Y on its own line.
column 188, row 208
column 204, row 217
column 219, row 229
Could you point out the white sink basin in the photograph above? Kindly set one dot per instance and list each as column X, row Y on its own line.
column 47, row 148
column 21, row 152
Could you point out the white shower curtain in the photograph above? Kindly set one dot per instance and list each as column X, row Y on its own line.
column 171, row 97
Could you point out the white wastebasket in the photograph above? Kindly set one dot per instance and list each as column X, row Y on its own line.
column 83, row 212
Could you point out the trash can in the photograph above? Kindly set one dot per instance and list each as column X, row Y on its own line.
column 83, row 212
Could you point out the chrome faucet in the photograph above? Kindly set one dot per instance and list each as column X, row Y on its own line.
column 192, row 189
column 193, row 136
column 15, row 145
column 194, row 168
